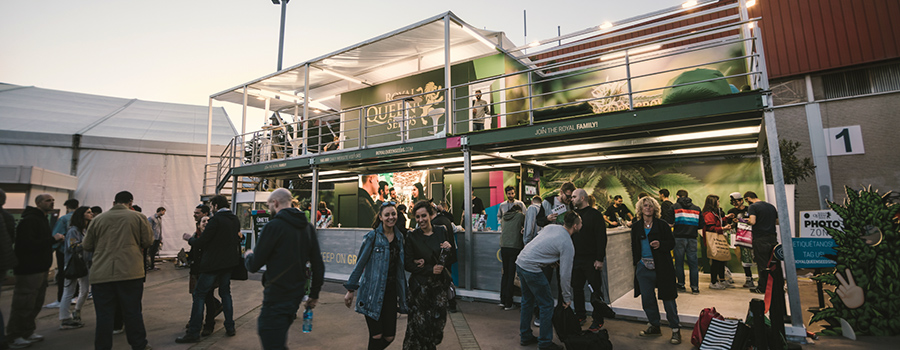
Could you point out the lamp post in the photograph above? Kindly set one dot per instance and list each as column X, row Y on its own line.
column 283, row 4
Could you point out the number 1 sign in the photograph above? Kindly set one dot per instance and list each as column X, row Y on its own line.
column 844, row 140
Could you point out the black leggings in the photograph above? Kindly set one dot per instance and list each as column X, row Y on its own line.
column 386, row 325
column 718, row 271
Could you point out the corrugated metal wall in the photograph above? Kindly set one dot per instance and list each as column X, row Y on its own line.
column 804, row 36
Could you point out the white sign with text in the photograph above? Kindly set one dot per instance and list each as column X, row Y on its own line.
column 814, row 222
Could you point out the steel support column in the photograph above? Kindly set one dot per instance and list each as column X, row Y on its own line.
column 208, row 133
column 798, row 331
column 467, row 213
column 448, row 97
column 306, row 111
column 314, row 192
column 817, row 144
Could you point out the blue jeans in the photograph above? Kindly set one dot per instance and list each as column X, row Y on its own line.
column 205, row 283
column 647, row 282
column 127, row 295
column 686, row 246
column 274, row 321
column 535, row 290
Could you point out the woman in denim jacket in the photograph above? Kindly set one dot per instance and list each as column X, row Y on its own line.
column 383, row 290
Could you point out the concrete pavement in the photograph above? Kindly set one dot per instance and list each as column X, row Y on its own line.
column 479, row 325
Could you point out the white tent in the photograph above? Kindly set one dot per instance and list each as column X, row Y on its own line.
column 155, row 150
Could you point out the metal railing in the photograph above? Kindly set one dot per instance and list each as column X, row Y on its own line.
column 530, row 95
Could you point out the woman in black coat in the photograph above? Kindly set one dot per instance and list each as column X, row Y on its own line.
column 651, row 251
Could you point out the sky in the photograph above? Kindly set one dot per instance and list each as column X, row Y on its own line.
column 184, row 51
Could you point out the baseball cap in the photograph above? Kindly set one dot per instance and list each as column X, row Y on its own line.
column 735, row 195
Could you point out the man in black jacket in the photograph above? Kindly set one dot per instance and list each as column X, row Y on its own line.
column 667, row 208
column 34, row 250
column 220, row 242
column 285, row 245
column 7, row 261
column 590, row 252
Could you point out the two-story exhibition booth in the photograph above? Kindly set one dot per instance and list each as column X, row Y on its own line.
column 445, row 111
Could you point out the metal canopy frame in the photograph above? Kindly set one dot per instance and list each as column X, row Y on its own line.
column 406, row 51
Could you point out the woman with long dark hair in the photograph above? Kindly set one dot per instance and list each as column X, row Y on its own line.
column 712, row 225
column 651, row 251
column 383, row 289
column 428, row 250
column 78, row 226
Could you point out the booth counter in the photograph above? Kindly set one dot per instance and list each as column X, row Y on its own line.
column 340, row 249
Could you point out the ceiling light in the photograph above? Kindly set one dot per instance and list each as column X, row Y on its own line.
column 351, row 178
column 751, row 25
column 690, row 3
column 749, row 130
column 606, row 25
column 750, row 3
column 631, row 52
column 487, row 167
column 323, row 98
column 445, row 161
column 342, row 76
column 332, row 172
column 656, row 153
column 479, row 37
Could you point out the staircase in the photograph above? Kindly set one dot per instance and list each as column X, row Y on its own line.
column 217, row 177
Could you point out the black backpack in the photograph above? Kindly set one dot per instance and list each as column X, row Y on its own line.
column 569, row 332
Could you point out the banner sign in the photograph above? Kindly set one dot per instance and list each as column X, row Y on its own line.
column 814, row 222
column 260, row 219
column 810, row 252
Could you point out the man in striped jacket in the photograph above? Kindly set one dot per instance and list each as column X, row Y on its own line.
column 687, row 226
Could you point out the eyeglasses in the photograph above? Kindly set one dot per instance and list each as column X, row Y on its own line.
column 387, row 203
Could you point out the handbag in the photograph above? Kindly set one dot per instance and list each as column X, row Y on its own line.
column 239, row 273
column 76, row 267
column 720, row 334
column 743, row 235
column 706, row 316
column 717, row 246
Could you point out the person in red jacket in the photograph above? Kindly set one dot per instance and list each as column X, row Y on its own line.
column 712, row 225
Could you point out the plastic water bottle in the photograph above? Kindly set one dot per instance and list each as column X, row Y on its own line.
column 307, row 320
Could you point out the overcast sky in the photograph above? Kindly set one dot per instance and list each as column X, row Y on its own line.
column 183, row 51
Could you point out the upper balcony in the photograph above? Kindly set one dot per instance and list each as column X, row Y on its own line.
column 422, row 82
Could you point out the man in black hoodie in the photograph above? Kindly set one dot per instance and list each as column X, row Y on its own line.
column 687, row 225
column 285, row 245
column 34, row 250
column 7, row 261
column 590, row 252
column 220, row 242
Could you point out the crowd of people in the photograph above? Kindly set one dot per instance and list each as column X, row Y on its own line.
column 567, row 234
column 563, row 235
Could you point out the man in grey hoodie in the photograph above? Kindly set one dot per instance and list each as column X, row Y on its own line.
column 531, row 227
column 553, row 246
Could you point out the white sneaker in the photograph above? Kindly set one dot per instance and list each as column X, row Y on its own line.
column 34, row 338
column 119, row 331
column 53, row 305
column 19, row 343
column 537, row 322
column 719, row 286
column 75, row 300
